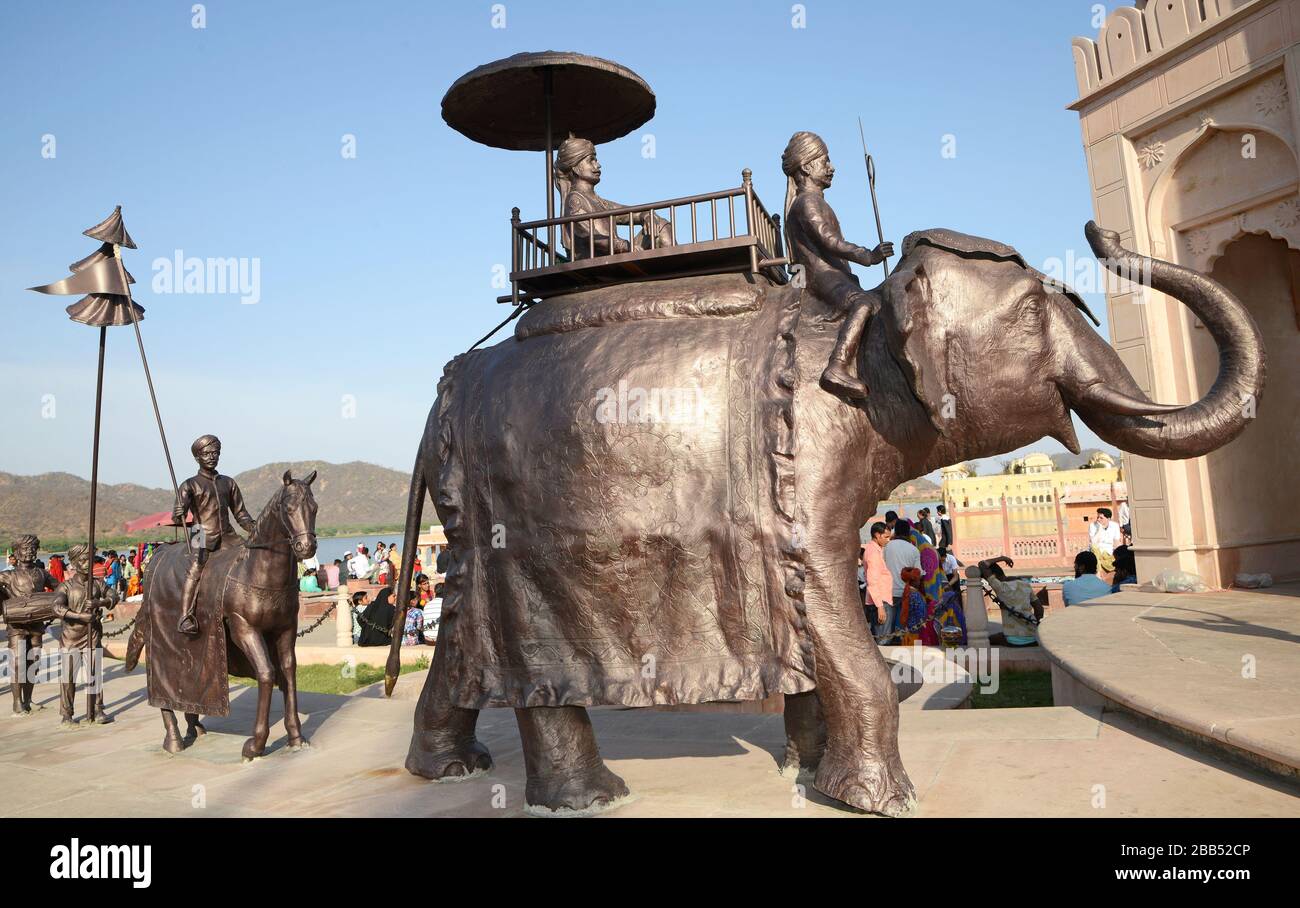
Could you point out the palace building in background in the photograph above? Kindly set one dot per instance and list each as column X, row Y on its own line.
column 1190, row 119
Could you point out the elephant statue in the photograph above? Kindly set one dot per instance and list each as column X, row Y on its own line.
column 650, row 499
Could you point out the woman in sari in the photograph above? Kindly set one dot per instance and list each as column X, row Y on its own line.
column 929, row 609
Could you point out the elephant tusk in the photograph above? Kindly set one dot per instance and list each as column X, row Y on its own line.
column 1110, row 400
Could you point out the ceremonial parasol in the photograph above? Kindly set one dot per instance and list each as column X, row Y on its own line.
column 517, row 103
column 107, row 285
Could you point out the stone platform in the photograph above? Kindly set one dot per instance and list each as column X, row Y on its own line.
column 1056, row 761
column 1221, row 669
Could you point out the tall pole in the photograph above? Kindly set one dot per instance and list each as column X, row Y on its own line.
column 547, row 90
column 871, row 182
column 139, row 341
column 94, row 462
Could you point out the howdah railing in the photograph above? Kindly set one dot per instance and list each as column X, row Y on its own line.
column 708, row 233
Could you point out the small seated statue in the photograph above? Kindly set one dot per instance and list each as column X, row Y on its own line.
column 577, row 171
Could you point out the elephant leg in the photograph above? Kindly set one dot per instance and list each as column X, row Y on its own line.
column 861, row 765
column 443, row 745
column 251, row 643
column 565, row 771
column 288, row 664
column 805, row 731
column 172, row 742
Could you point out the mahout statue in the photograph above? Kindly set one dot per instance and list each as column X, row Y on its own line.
column 651, row 494
column 818, row 246
column 27, row 614
column 244, row 605
column 82, row 636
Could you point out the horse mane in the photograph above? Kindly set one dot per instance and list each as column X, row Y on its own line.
column 266, row 509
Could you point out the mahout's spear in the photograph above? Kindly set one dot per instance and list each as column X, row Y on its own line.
column 871, row 181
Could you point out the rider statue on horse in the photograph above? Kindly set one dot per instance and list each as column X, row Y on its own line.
column 211, row 498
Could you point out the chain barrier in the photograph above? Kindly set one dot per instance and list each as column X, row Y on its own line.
column 123, row 629
column 319, row 621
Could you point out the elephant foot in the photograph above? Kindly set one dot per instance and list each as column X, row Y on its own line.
column 454, row 762
column 584, row 792
column 866, row 783
column 252, row 750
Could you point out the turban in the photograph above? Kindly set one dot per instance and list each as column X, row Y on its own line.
column 27, row 541
column 202, row 442
column 78, row 553
column 802, row 148
column 571, row 152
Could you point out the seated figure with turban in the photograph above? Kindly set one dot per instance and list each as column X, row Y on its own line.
column 577, row 171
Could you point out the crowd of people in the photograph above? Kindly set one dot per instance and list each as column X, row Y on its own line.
column 372, row 616
column 911, row 587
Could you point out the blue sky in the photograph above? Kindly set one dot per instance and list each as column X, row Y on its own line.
column 375, row 270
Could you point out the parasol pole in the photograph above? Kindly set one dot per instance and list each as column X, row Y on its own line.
column 871, row 182
column 547, row 91
column 94, row 489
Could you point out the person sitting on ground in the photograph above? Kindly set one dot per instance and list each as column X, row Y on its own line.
column 1086, row 584
column 949, row 564
column 307, row 583
column 377, row 619
column 413, row 632
column 433, row 614
column 1103, row 536
column 358, row 601
column 1125, row 568
column 1016, row 599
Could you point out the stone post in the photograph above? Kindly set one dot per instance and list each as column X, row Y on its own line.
column 343, row 615
column 977, row 619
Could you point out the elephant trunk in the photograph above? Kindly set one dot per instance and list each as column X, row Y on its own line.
column 1097, row 385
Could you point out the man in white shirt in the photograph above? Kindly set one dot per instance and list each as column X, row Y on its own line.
column 359, row 565
column 899, row 554
column 1103, row 535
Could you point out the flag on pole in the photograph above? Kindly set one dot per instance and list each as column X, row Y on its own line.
column 101, row 278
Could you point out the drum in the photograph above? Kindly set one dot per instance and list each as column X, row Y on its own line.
column 32, row 609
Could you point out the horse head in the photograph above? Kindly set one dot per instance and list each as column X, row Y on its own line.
column 295, row 507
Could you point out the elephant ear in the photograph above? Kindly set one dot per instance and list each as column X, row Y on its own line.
column 917, row 338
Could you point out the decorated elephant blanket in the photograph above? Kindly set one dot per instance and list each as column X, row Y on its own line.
column 617, row 489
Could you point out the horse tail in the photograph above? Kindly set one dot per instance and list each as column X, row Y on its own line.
column 135, row 645
column 410, row 539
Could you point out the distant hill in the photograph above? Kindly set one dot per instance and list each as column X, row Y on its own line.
column 54, row 506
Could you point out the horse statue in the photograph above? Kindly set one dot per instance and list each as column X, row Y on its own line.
column 247, row 608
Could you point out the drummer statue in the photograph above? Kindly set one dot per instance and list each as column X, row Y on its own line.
column 83, row 633
column 211, row 498
column 26, row 580
column 817, row 244
column 577, row 171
